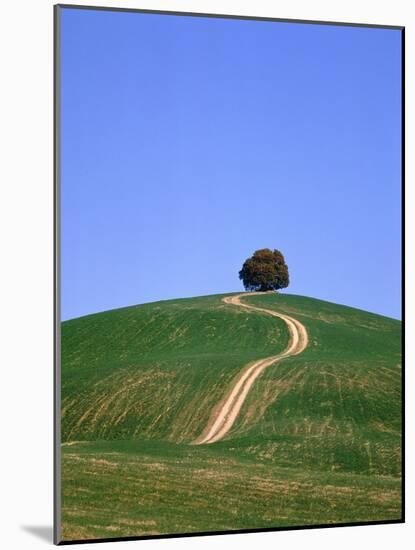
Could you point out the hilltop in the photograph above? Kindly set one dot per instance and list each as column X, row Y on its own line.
column 317, row 439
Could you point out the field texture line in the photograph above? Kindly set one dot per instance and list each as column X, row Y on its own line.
column 228, row 412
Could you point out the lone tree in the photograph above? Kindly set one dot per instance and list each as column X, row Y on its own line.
column 265, row 270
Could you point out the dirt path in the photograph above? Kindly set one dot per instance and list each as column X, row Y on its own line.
column 222, row 420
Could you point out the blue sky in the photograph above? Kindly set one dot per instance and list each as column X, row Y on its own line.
column 188, row 142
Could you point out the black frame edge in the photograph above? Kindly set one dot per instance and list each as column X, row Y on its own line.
column 239, row 532
column 56, row 280
column 227, row 16
column 403, row 274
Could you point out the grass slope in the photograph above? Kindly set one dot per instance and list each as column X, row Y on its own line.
column 317, row 440
column 154, row 371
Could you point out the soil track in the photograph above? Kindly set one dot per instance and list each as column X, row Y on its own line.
column 223, row 418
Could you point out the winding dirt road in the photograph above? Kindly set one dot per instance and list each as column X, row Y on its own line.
column 224, row 418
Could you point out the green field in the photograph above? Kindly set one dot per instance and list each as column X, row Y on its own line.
column 317, row 441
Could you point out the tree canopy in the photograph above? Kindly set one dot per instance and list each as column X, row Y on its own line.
column 265, row 270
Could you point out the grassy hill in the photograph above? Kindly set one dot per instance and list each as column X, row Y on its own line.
column 317, row 440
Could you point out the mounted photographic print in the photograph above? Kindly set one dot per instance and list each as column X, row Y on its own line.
column 228, row 274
